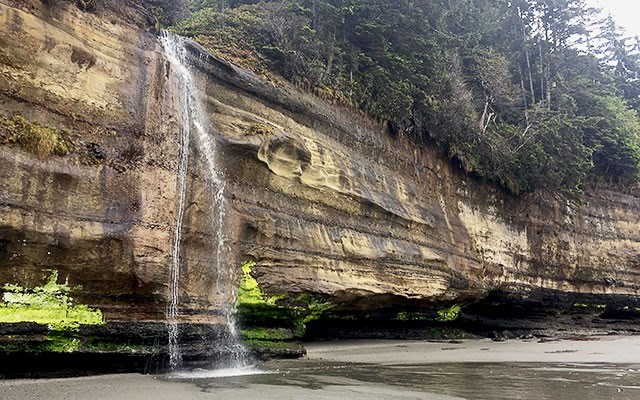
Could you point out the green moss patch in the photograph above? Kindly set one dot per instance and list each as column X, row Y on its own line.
column 411, row 316
column 31, row 136
column 49, row 304
column 444, row 315
column 271, row 324
column 449, row 314
column 249, row 292
column 271, row 334
column 58, row 342
column 117, row 347
column 255, row 309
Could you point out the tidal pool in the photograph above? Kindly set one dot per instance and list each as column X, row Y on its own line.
column 471, row 370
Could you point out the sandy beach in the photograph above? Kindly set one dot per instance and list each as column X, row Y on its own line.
column 605, row 367
column 600, row 349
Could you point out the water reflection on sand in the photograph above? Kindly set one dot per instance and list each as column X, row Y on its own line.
column 606, row 368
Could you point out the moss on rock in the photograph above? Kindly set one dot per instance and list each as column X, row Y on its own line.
column 255, row 309
column 32, row 136
column 272, row 324
column 49, row 304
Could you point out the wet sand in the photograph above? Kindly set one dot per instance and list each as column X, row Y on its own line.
column 601, row 349
column 478, row 370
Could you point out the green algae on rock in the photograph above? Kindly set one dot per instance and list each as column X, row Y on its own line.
column 449, row 314
column 288, row 310
column 49, row 304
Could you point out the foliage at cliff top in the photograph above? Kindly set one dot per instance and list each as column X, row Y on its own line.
column 530, row 94
column 48, row 304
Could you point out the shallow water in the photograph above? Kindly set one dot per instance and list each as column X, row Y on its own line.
column 603, row 368
column 434, row 381
column 310, row 379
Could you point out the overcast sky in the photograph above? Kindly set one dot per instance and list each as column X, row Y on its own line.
column 625, row 12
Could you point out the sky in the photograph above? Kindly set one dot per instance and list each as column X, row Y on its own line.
column 625, row 12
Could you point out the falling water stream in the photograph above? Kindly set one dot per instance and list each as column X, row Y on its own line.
column 193, row 120
column 172, row 54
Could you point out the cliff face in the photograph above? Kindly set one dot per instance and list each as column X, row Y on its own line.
column 334, row 205
column 324, row 200
column 104, row 214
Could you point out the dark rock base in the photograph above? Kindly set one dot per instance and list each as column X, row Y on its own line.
column 29, row 350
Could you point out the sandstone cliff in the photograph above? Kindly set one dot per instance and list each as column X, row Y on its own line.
column 325, row 201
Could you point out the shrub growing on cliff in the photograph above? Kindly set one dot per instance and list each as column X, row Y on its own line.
column 33, row 137
column 260, row 130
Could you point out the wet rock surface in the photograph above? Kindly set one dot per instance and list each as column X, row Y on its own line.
column 31, row 350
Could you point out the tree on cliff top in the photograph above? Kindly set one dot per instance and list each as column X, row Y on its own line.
column 504, row 87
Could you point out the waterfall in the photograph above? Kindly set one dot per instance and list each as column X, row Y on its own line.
column 194, row 121
column 172, row 54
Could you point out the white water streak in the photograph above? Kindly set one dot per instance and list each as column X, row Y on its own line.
column 192, row 115
column 173, row 55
